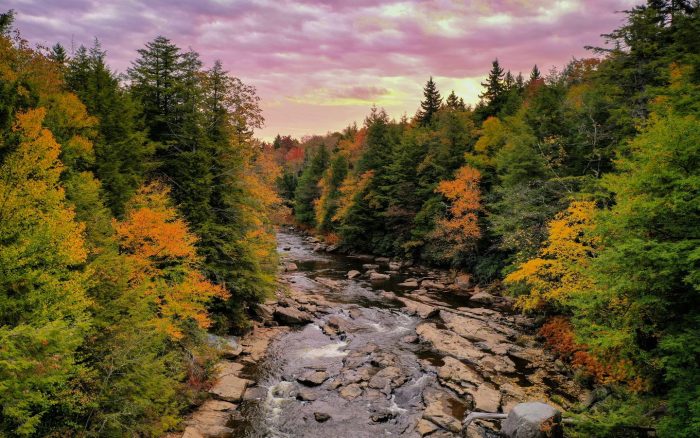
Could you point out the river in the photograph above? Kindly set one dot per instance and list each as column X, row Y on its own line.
column 380, row 359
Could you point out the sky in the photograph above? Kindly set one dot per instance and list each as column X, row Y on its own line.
column 319, row 65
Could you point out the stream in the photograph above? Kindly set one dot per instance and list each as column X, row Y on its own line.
column 381, row 359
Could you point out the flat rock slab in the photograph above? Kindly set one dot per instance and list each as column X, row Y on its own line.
column 313, row 378
column 292, row 316
column 229, row 387
column 416, row 308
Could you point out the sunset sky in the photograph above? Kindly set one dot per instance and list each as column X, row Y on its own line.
column 320, row 64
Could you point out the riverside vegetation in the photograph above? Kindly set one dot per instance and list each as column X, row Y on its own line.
column 136, row 215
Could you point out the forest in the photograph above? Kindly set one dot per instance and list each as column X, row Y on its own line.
column 138, row 214
column 575, row 191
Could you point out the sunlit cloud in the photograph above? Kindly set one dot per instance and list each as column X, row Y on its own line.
column 320, row 64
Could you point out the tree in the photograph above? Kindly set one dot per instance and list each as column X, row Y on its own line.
column 43, row 302
column 535, row 74
column 559, row 271
column 430, row 104
column 455, row 103
column 307, row 191
column 460, row 231
column 492, row 96
column 122, row 151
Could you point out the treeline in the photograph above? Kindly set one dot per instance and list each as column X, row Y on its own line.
column 579, row 190
column 134, row 216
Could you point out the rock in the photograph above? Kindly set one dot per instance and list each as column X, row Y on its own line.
column 483, row 298
column 532, row 420
column 449, row 343
column 458, row 376
column 410, row 339
column 319, row 247
column 382, row 416
column 370, row 266
column 395, row 265
column 353, row 274
column 351, row 391
column 474, row 330
column 409, row 283
column 321, row 417
column 289, row 267
column 229, row 387
column 425, row 427
column 287, row 248
column 486, row 398
column 333, row 284
column 210, row 420
column 263, row 312
column 438, row 409
column 292, row 316
column 382, row 260
column 313, row 378
column 416, row 308
column 306, row 394
column 332, row 248
column 463, row 281
column 388, row 295
column 430, row 284
column 374, row 276
column 192, row 432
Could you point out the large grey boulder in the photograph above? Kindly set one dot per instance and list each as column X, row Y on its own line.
column 533, row 420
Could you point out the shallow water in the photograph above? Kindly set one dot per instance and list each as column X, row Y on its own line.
column 373, row 324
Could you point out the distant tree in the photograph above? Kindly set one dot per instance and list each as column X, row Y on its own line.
column 492, row 97
column 430, row 104
column 535, row 74
column 455, row 103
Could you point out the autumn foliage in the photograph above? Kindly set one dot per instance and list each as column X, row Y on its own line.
column 461, row 227
column 163, row 251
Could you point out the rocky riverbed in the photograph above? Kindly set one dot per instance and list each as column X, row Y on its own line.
column 366, row 347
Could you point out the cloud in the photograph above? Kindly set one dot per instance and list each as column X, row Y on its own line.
column 337, row 55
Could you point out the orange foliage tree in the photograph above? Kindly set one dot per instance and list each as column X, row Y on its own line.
column 460, row 230
column 163, row 252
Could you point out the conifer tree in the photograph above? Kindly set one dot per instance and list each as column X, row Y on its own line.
column 455, row 103
column 430, row 104
column 494, row 88
column 535, row 74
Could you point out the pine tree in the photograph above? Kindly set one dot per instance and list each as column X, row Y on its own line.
column 535, row 74
column 122, row 151
column 455, row 103
column 58, row 54
column 430, row 104
column 154, row 82
column 493, row 96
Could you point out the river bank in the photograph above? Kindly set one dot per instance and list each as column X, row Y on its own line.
column 364, row 346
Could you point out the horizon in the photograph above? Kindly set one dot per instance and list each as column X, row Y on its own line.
column 317, row 65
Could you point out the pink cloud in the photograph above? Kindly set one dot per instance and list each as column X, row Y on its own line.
column 288, row 48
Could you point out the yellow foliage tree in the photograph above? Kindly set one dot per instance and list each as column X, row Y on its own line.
column 558, row 271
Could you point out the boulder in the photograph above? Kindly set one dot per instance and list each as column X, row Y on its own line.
column 375, row 276
column 292, row 316
column 306, row 394
column 321, row 417
column 370, row 266
column 532, row 420
column 395, row 265
column 353, row 274
column 290, row 266
column 425, row 427
column 351, row 391
column 313, row 378
column 382, row 260
column 319, row 247
column 332, row 248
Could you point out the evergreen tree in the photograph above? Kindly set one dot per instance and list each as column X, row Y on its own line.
column 535, row 74
column 455, row 103
column 492, row 96
column 430, row 104
column 307, row 190
column 58, row 54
